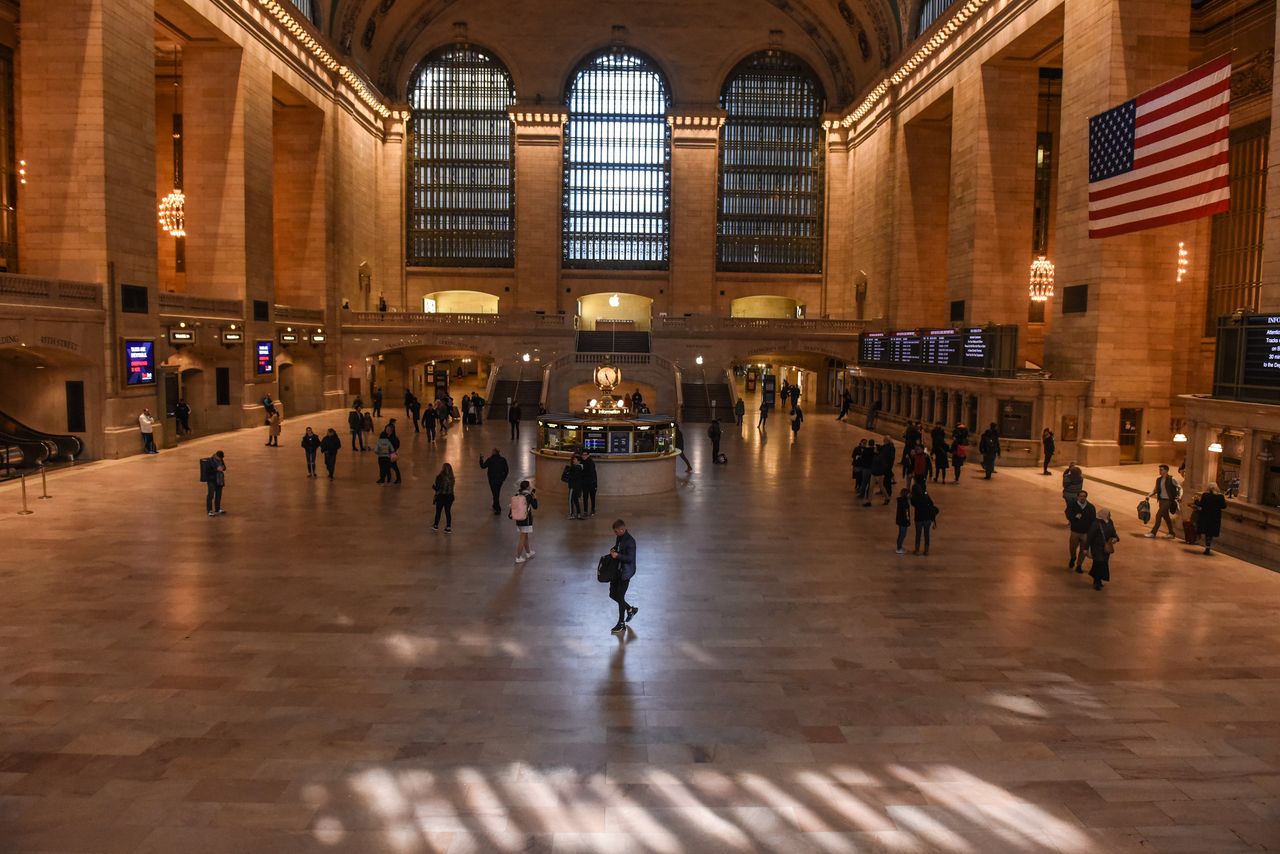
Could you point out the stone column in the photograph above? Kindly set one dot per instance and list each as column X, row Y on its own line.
column 993, row 161
column 695, row 142
column 1269, row 299
column 1112, row 51
column 920, row 227
column 300, row 209
column 1249, row 487
column 539, row 157
column 391, row 204
column 839, row 296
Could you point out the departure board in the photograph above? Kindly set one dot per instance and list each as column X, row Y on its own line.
column 1262, row 350
column 977, row 350
column 1247, row 366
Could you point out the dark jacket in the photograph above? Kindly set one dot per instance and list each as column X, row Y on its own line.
column 887, row 455
column 1171, row 487
column 939, row 436
column 354, row 420
column 1210, row 520
column 311, row 442
column 904, row 511
column 1099, row 533
column 1072, row 482
column 496, row 467
column 330, row 444
column 1080, row 518
column 514, row 414
column 926, row 510
column 713, row 432
column 572, row 475
column 989, row 444
column 626, row 546
column 589, row 479
column 1049, row 445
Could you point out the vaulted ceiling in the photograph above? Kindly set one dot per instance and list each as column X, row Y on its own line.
column 848, row 42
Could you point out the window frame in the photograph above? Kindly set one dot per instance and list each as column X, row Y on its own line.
column 603, row 240
column 501, row 240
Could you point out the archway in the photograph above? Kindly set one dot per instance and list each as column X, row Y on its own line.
column 44, row 390
column 613, row 311
column 767, row 307
column 460, row 302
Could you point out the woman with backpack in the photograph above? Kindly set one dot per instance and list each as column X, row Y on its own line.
column 383, row 449
column 958, row 453
column 1101, row 541
column 523, row 503
column 310, row 445
column 443, row 488
column 926, row 514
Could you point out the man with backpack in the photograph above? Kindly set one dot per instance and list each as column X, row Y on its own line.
column 497, row 469
column 921, row 464
column 213, row 476
column 623, row 551
column 1166, row 493
column 989, row 446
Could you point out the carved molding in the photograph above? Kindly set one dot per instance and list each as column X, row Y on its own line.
column 1254, row 76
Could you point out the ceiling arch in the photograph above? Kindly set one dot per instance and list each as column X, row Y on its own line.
column 849, row 42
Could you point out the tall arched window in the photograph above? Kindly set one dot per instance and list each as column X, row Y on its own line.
column 771, row 184
column 617, row 164
column 461, row 182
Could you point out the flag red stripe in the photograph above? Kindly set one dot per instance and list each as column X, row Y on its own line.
column 1183, row 126
column 1168, row 219
column 1191, row 76
column 1218, row 158
column 1214, row 136
column 1180, row 105
column 1187, row 192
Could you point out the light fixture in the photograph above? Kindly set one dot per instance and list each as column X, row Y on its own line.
column 1041, row 283
column 614, row 302
column 1179, row 437
column 172, row 208
column 525, row 357
column 698, row 360
column 22, row 171
column 1182, row 260
column 1215, row 447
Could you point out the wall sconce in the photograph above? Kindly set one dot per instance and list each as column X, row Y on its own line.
column 1215, row 447
column 1179, row 437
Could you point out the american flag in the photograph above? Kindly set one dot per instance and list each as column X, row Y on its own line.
column 1162, row 157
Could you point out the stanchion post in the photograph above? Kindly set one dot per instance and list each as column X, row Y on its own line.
column 44, row 485
column 24, row 511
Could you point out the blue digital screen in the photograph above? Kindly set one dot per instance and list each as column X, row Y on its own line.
column 140, row 362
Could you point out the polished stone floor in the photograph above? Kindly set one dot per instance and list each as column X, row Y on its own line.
column 318, row 671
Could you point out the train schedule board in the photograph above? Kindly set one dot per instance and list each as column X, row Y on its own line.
column 139, row 362
column 1247, row 366
column 978, row 350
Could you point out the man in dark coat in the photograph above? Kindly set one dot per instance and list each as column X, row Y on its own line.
column 989, row 446
column 497, row 469
column 713, row 433
column 624, row 549
column 590, row 483
column 1210, row 506
column 1080, row 518
column 1046, row 440
column 1166, row 492
column 356, row 422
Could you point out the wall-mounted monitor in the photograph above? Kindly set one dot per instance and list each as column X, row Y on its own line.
column 139, row 362
column 266, row 357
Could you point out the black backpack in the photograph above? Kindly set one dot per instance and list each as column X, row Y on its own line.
column 206, row 470
column 608, row 570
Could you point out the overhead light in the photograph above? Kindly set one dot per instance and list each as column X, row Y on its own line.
column 698, row 360
column 1179, row 436
column 614, row 302
column 1215, row 447
column 1041, row 283
column 1183, row 263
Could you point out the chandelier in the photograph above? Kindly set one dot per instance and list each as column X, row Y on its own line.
column 1041, row 279
column 172, row 217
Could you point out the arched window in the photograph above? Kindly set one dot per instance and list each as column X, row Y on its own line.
column 461, row 182
column 309, row 8
column 931, row 11
column 617, row 164
column 771, row 184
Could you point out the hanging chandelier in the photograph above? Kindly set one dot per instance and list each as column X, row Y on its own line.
column 172, row 208
column 172, row 214
column 1041, row 279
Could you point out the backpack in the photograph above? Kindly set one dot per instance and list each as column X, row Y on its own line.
column 206, row 470
column 519, row 508
column 608, row 570
column 961, row 451
column 920, row 465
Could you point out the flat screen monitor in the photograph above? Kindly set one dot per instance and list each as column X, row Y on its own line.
column 140, row 362
column 266, row 354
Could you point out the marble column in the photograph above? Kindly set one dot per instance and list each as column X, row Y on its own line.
column 695, row 142
column 539, row 158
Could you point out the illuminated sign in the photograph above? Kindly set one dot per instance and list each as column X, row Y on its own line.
column 140, row 362
column 319, row 338
column 232, row 337
column 288, row 338
column 266, row 357
column 182, row 336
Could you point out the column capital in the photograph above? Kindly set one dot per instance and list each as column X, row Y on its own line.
column 696, row 128
column 536, row 124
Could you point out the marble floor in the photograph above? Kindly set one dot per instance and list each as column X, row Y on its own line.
column 318, row 671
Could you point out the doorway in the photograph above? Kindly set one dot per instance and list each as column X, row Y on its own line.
column 1130, row 435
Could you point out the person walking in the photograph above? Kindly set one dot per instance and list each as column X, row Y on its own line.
column 496, row 468
column 415, row 412
column 713, row 433
column 1166, row 492
column 590, row 483
column 310, row 445
column 182, row 412
column 764, row 415
column 1080, row 518
column 273, row 430
column 926, row 513
column 938, row 435
column 268, row 405
column 408, row 398
column 572, row 478
column 329, row 446
column 1101, row 543
column 888, row 456
column 739, row 412
column 1048, row 444
column 355, row 422
column 624, row 551
column 147, row 426
column 215, row 478
column 678, row 439
column 959, row 452
column 941, row 461
column 393, row 461
column 903, row 518
column 1072, row 483
column 383, row 449
column 1211, row 504
column 477, row 403
column 846, row 401
column 366, row 424
column 921, row 465
column 523, row 503
column 856, row 460
column 797, row 418
column 428, row 418
column 443, row 488
column 513, row 418
column 376, row 397
column 989, row 447
column 872, row 414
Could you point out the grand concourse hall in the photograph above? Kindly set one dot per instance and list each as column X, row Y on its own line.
column 713, row 246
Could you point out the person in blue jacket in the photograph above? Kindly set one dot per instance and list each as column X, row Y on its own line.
column 624, row 549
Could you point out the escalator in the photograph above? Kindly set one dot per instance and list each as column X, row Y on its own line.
column 35, row 447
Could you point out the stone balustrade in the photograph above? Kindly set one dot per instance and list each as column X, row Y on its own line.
column 189, row 305
column 53, row 293
column 702, row 324
column 293, row 314
column 418, row 320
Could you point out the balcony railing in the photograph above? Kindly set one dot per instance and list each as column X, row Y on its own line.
column 57, row 293
column 522, row 321
column 186, row 305
column 293, row 314
column 701, row 323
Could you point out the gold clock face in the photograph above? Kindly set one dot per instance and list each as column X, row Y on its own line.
column 607, row 376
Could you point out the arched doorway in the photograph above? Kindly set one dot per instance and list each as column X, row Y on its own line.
column 614, row 311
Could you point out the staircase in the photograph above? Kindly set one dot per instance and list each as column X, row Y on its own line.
column 528, row 393
column 698, row 398
column 613, row 342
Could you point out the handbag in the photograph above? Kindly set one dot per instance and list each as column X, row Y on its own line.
column 1144, row 511
column 394, row 456
column 1110, row 546
column 607, row 569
